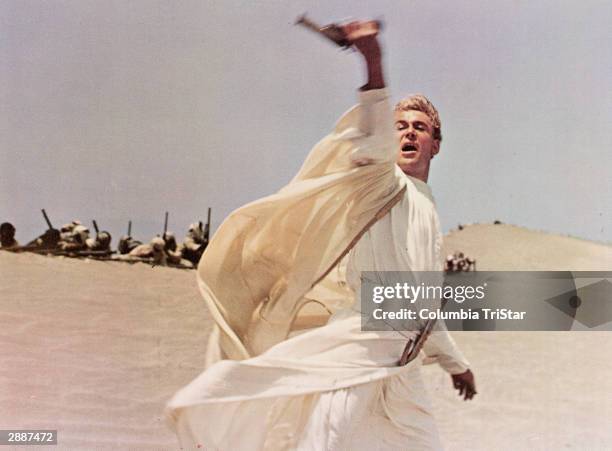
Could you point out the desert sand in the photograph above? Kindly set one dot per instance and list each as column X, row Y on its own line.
column 95, row 349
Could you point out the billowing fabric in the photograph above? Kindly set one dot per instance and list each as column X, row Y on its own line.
column 273, row 270
column 268, row 254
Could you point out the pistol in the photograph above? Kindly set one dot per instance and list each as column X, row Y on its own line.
column 333, row 32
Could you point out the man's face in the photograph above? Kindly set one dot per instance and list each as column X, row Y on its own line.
column 417, row 145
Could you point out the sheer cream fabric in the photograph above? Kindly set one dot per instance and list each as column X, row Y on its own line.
column 268, row 254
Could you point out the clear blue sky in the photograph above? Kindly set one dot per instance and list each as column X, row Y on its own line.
column 119, row 110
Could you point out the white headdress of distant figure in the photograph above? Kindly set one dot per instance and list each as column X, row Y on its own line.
column 158, row 244
column 196, row 232
column 80, row 233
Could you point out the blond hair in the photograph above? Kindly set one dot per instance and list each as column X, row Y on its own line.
column 419, row 102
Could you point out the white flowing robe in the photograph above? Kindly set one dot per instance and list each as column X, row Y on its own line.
column 330, row 387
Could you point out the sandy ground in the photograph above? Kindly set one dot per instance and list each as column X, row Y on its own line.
column 95, row 349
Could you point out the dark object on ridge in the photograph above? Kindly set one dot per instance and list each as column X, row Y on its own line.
column 48, row 240
column 7, row 236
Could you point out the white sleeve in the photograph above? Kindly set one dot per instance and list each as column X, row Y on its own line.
column 441, row 348
column 369, row 127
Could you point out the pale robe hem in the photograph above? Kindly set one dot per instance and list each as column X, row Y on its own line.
column 209, row 387
column 327, row 359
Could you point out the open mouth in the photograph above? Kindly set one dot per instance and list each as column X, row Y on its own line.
column 409, row 148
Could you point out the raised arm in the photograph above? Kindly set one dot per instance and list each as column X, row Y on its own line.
column 373, row 118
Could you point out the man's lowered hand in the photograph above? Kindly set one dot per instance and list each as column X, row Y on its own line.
column 464, row 382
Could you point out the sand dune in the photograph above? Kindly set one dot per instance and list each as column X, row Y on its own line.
column 537, row 390
column 506, row 247
column 95, row 349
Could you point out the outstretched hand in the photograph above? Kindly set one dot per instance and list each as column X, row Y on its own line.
column 362, row 35
column 465, row 383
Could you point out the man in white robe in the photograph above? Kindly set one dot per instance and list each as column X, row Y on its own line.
column 277, row 379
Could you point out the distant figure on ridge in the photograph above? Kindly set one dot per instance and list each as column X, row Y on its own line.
column 67, row 230
column 76, row 239
column 48, row 240
column 127, row 244
column 154, row 250
column 458, row 262
column 194, row 244
column 7, row 236
column 102, row 242
column 173, row 253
